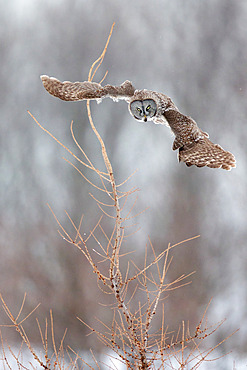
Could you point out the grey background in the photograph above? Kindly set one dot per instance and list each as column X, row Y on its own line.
column 193, row 51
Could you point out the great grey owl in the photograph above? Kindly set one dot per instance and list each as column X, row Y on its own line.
column 194, row 145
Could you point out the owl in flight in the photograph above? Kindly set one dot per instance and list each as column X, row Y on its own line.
column 193, row 144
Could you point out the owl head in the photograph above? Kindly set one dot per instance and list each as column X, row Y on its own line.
column 143, row 110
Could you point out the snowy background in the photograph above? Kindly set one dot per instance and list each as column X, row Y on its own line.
column 193, row 51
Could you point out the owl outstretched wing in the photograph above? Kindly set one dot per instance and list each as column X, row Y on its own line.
column 74, row 91
column 194, row 145
column 205, row 153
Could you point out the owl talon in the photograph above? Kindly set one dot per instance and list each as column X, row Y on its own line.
column 176, row 144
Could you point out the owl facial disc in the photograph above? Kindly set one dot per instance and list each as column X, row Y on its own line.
column 143, row 110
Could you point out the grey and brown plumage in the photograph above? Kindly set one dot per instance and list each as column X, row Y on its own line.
column 193, row 144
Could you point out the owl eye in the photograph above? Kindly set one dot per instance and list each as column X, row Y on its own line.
column 148, row 107
column 139, row 109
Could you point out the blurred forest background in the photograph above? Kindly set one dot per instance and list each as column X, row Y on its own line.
column 193, row 51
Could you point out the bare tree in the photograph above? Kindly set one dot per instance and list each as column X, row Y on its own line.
column 137, row 289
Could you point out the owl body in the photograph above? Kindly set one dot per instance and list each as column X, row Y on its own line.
column 193, row 144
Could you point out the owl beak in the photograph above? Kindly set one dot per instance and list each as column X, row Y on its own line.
column 145, row 118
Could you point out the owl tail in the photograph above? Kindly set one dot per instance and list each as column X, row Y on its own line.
column 205, row 153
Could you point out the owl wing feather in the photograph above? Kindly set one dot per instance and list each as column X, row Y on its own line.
column 205, row 153
column 194, row 145
column 74, row 91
